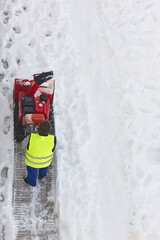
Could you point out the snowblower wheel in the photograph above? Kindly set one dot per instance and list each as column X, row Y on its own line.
column 51, row 119
column 19, row 134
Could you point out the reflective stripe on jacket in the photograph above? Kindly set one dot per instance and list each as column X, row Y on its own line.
column 40, row 153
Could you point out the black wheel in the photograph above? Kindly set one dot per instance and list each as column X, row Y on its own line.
column 18, row 127
column 51, row 119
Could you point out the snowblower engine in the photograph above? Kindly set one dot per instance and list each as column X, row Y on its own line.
column 33, row 103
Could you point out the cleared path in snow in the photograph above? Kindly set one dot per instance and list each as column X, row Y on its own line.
column 33, row 207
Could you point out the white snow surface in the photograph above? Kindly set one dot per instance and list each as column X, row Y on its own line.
column 105, row 55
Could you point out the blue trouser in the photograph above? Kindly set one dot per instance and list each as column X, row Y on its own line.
column 32, row 174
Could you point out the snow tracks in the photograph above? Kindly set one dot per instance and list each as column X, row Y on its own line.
column 33, row 208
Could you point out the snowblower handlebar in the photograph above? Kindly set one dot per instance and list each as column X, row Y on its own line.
column 29, row 87
column 43, row 77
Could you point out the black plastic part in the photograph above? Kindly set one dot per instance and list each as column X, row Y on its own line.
column 28, row 101
column 28, row 109
column 43, row 97
column 28, row 105
column 51, row 119
column 43, row 77
column 19, row 133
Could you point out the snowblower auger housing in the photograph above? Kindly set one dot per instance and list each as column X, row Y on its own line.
column 33, row 103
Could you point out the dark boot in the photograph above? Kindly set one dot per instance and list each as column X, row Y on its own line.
column 25, row 179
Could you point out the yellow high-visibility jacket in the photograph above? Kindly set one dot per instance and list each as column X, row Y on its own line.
column 39, row 154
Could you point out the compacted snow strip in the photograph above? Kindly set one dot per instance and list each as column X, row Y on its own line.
column 33, row 208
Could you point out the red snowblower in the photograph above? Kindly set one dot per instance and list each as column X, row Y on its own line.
column 33, row 103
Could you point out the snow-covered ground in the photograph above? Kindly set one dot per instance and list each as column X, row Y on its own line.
column 105, row 55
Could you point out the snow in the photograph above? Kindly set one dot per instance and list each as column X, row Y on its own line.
column 105, row 57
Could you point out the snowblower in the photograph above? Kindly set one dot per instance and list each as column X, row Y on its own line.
column 33, row 103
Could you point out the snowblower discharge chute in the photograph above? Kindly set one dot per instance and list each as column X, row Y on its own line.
column 33, row 103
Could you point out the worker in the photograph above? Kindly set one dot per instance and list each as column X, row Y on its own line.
column 39, row 153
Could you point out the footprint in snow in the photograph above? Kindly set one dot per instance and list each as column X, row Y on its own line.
column 5, row 21
column 8, row 43
column 1, row 197
column 16, row 30
column 3, row 177
column 18, row 61
column 48, row 34
column 4, row 172
column 5, row 13
column 18, row 12
column 24, row 8
column 6, row 17
column 5, row 90
column 2, row 231
column 1, row 77
column 6, row 124
column 5, row 63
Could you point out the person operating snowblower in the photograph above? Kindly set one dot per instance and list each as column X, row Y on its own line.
column 39, row 153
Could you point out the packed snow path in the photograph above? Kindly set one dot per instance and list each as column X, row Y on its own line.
column 33, row 207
